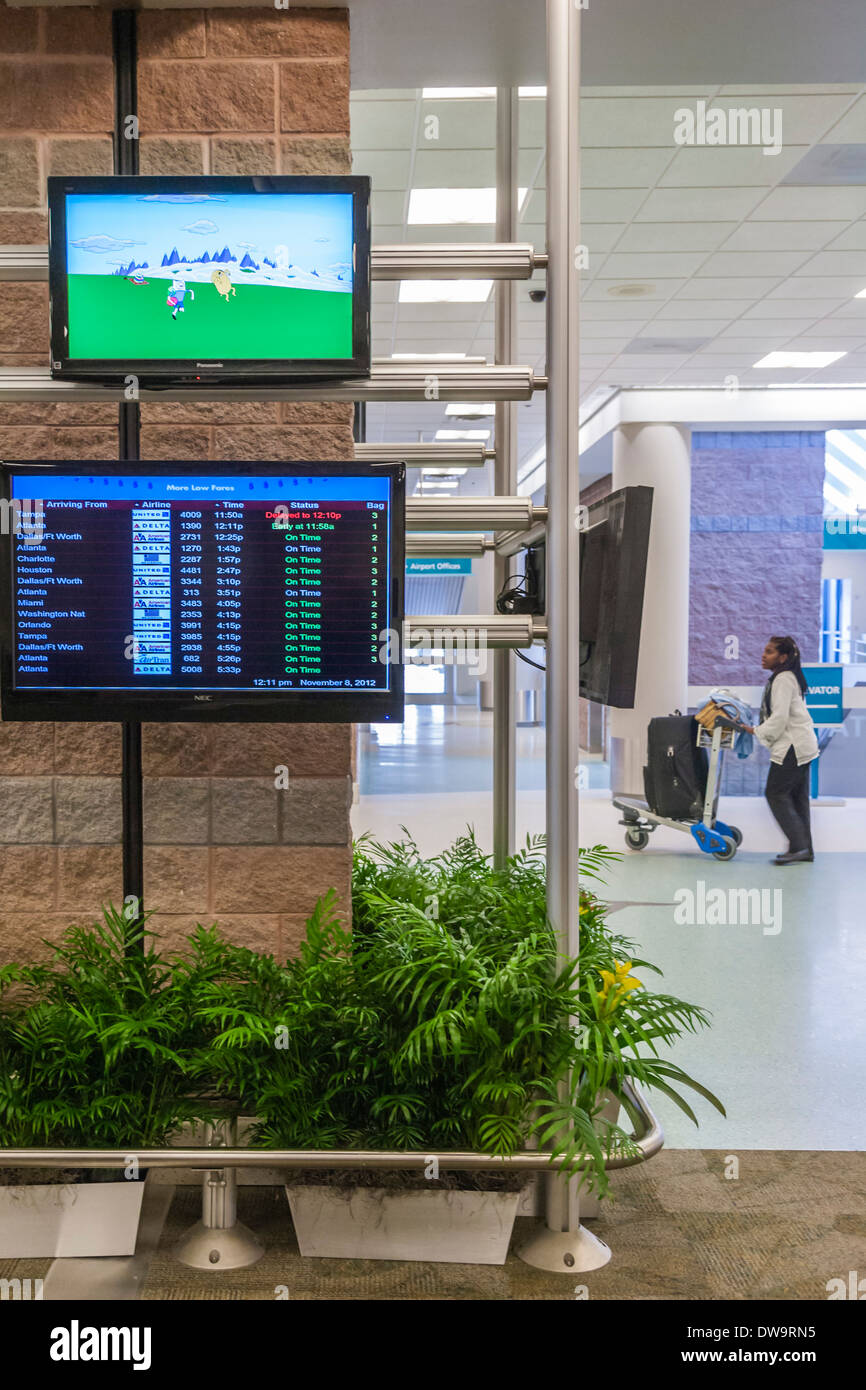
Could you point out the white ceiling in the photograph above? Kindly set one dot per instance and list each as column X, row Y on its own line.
column 429, row 42
column 736, row 262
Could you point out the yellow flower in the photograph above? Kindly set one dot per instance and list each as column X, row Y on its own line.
column 617, row 986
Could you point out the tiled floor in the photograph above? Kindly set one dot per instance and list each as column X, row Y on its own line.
column 787, row 1049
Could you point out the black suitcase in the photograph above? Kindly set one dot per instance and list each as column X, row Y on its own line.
column 675, row 777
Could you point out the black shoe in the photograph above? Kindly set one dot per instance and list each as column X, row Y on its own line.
column 797, row 856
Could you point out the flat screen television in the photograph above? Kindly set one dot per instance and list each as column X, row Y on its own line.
column 193, row 591
column 613, row 558
column 209, row 279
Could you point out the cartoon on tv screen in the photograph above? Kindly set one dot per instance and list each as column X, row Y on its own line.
column 229, row 275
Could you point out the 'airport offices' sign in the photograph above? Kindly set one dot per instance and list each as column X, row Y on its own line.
column 439, row 566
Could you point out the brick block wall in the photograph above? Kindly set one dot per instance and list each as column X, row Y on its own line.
column 756, row 548
column 756, row 555
column 219, row 92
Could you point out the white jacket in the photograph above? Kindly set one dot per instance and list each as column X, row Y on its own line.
column 789, row 722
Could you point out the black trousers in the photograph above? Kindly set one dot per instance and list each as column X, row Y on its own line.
column 788, row 797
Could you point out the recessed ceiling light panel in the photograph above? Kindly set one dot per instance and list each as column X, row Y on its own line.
column 447, row 206
column 799, row 359
column 462, row 434
column 445, row 291
column 470, row 410
column 630, row 291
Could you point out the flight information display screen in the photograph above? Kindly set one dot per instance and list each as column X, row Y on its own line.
column 206, row 587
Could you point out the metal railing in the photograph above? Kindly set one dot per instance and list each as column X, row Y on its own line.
column 649, row 1139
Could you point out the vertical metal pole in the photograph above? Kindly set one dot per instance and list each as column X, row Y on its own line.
column 125, row 47
column 562, row 1244
column 563, row 497
column 505, row 477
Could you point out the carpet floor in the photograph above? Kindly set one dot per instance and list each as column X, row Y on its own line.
column 691, row 1224
column 682, row 1227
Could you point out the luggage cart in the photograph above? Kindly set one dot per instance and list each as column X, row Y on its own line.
column 711, row 835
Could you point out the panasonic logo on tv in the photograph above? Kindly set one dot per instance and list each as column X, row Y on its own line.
column 209, row 364
column 77, row 1343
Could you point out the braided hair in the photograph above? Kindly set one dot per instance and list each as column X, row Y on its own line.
column 788, row 648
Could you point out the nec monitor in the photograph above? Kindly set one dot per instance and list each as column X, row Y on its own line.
column 177, row 591
column 613, row 558
column 209, row 279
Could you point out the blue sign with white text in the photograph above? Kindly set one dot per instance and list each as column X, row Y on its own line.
column 439, row 566
column 824, row 696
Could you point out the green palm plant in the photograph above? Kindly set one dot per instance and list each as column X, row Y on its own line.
column 94, row 1044
column 447, row 1018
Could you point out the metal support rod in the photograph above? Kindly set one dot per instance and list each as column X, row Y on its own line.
column 419, row 545
column 414, row 455
column 473, row 631
column 505, row 480
column 472, row 514
column 563, row 497
column 648, row 1137
column 219, row 1240
column 426, row 261
column 504, row 259
column 133, row 823
column 124, row 46
column 514, row 541
column 397, row 381
column 124, row 38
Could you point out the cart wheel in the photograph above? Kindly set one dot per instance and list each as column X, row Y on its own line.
column 729, row 851
column 736, row 835
column 637, row 839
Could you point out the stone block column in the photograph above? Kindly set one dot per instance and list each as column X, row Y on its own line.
column 756, row 549
column 247, row 91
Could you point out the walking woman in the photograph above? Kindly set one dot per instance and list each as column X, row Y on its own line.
column 786, row 728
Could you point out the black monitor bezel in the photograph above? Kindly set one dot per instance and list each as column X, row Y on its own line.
column 607, row 674
column 173, row 706
column 189, row 372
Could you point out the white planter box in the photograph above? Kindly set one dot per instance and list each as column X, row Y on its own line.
column 375, row 1223
column 69, row 1219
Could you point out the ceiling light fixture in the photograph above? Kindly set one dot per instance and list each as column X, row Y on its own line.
column 442, row 206
column 473, row 93
column 445, row 291
column 462, row 434
column 470, row 410
column 799, row 359
column 632, row 291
